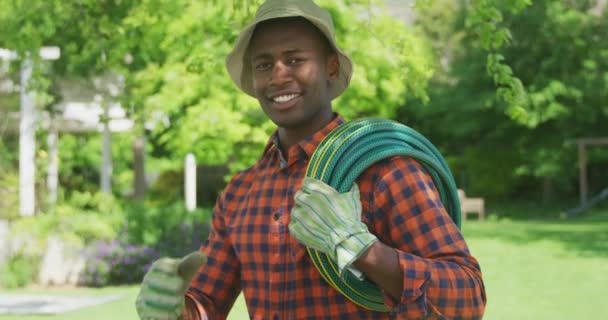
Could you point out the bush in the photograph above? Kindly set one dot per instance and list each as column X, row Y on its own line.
column 119, row 241
column 85, row 219
column 20, row 271
column 113, row 262
column 150, row 233
column 171, row 224
column 9, row 195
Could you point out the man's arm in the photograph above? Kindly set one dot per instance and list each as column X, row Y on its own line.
column 421, row 260
column 392, row 226
column 380, row 263
column 214, row 289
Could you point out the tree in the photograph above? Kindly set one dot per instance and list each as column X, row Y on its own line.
column 559, row 54
column 206, row 114
column 171, row 54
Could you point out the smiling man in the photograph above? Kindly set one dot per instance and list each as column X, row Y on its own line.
column 390, row 228
column 293, row 67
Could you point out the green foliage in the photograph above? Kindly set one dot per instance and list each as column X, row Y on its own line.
column 89, row 217
column 178, row 92
column 496, row 81
column 19, row 271
column 197, row 109
column 7, row 154
column 148, row 224
column 9, row 195
column 113, row 262
column 204, row 112
column 148, row 233
column 392, row 62
column 80, row 162
column 564, row 96
column 120, row 240
column 484, row 18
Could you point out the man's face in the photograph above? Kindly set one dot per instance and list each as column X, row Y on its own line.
column 292, row 69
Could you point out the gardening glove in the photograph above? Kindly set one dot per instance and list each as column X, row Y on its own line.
column 328, row 221
column 161, row 296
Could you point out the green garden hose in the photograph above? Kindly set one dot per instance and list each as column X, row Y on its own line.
column 343, row 155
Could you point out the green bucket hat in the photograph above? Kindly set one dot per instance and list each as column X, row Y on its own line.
column 237, row 61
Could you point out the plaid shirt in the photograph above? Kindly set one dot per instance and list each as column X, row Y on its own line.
column 250, row 248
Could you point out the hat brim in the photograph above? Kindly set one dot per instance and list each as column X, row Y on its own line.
column 238, row 64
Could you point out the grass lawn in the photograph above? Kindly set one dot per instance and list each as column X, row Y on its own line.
column 535, row 269
column 543, row 269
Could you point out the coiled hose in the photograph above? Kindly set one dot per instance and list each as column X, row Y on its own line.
column 343, row 155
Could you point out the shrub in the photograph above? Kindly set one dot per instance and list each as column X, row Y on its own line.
column 149, row 233
column 20, row 270
column 85, row 219
column 172, row 223
column 183, row 238
column 9, row 195
column 119, row 244
column 113, row 262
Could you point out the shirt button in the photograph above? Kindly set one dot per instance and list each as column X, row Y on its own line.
column 276, row 217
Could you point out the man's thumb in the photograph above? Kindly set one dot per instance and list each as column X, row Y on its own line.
column 190, row 264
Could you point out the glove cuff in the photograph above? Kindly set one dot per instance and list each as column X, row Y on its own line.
column 348, row 251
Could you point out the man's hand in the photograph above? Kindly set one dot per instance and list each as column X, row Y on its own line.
column 161, row 296
column 330, row 222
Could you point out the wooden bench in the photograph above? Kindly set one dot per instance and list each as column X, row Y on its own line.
column 471, row 205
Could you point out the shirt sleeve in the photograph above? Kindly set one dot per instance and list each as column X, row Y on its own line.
column 217, row 284
column 441, row 279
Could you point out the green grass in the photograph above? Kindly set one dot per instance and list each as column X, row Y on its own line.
column 544, row 268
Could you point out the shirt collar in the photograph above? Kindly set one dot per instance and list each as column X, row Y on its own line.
column 309, row 144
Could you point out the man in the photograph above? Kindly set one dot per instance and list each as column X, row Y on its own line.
column 400, row 238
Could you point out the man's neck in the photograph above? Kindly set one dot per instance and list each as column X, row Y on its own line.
column 291, row 136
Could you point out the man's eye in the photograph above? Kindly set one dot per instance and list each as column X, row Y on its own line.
column 262, row 66
column 294, row 60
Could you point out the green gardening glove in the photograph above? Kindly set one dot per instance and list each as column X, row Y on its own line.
column 161, row 296
column 328, row 221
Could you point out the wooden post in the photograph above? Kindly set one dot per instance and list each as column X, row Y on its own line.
column 582, row 163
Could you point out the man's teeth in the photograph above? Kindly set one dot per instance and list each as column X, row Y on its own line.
column 285, row 98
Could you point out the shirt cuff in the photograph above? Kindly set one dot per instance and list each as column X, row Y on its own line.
column 416, row 276
column 194, row 309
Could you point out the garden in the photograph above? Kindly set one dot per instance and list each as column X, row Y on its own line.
column 102, row 102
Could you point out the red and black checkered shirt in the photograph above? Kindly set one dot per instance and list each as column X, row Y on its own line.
column 250, row 249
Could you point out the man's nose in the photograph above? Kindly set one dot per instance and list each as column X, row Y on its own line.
column 280, row 74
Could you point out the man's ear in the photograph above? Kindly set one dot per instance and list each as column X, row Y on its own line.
column 333, row 66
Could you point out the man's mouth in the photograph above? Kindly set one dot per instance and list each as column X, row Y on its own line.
column 285, row 98
column 285, row 101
